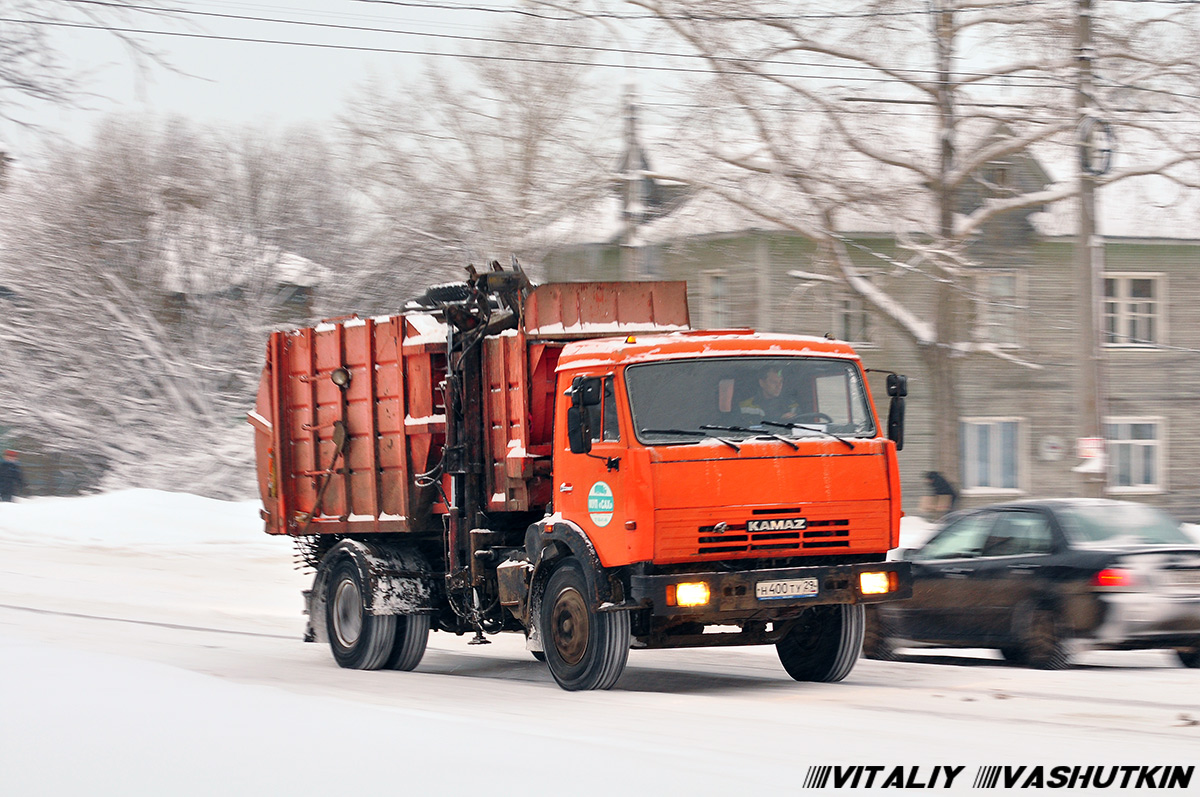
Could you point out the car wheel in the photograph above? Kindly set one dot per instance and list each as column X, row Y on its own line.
column 1044, row 647
column 1189, row 657
column 1014, row 655
column 878, row 640
column 823, row 643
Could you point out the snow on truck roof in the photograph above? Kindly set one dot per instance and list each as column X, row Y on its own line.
column 697, row 343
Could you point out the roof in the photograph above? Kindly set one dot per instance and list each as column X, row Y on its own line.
column 891, row 202
column 618, row 351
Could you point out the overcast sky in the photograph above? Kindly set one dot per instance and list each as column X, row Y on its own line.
column 221, row 76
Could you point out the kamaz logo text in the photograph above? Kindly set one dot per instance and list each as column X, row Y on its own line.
column 778, row 524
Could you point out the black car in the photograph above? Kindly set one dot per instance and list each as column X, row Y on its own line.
column 1039, row 579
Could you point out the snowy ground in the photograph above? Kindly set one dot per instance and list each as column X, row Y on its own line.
column 149, row 645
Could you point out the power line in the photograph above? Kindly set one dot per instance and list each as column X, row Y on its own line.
column 436, row 54
column 520, row 59
column 688, row 17
column 554, row 45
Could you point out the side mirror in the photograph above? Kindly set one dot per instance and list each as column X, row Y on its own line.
column 579, row 436
column 897, row 385
column 895, row 427
column 585, row 391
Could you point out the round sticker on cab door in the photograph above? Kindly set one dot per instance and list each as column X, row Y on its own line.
column 601, row 504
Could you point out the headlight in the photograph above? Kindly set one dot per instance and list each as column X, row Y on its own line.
column 875, row 583
column 689, row 593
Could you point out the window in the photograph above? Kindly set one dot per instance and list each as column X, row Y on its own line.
column 1135, row 452
column 1132, row 309
column 961, row 539
column 990, row 449
column 716, row 300
column 851, row 321
column 602, row 417
column 998, row 302
column 1018, row 533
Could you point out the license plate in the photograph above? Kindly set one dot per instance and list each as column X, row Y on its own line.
column 793, row 588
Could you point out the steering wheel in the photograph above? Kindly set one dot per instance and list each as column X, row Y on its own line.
column 810, row 417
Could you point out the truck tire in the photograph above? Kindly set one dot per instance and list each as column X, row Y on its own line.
column 408, row 647
column 359, row 640
column 585, row 649
column 1189, row 657
column 446, row 292
column 823, row 644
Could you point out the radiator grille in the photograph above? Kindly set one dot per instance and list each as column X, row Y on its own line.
column 832, row 528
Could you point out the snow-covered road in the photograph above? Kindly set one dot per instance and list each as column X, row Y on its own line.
column 149, row 644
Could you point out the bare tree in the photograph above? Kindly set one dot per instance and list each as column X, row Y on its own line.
column 488, row 160
column 818, row 116
column 35, row 62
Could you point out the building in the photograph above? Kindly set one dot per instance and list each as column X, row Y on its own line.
column 1020, row 423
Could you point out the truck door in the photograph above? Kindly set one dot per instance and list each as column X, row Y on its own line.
column 589, row 487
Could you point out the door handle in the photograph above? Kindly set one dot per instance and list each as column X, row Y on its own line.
column 1023, row 568
column 566, row 488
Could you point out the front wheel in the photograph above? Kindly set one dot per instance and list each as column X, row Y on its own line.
column 359, row 640
column 1044, row 647
column 823, row 643
column 878, row 640
column 585, row 649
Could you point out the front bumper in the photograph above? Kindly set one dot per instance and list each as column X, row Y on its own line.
column 733, row 594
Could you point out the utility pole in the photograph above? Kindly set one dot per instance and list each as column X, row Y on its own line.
column 940, row 358
column 1089, row 256
column 633, row 196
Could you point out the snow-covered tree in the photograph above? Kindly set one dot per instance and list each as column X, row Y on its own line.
column 142, row 273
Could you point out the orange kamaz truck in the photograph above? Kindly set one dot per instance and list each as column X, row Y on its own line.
column 574, row 463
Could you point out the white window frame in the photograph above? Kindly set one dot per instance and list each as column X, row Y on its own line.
column 1123, row 313
column 1019, row 456
column 847, row 305
column 1159, row 444
column 717, row 311
column 989, row 316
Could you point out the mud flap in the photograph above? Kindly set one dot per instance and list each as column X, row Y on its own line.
column 398, row 582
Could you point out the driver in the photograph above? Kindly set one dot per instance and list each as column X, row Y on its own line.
column 769, row 404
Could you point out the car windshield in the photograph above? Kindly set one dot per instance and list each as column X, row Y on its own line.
column 674, row 401
column 1122, row 523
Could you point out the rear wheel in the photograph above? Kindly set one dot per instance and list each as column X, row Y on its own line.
column 1044, row 647
column 408, row 647
column 823, row 643
column 359, row 640
column 1189, row 657
column 585, row 649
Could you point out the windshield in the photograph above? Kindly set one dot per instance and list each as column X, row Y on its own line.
column 739, row 397
column 1122, row 523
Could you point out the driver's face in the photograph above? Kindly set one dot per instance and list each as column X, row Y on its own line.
column 771, row 384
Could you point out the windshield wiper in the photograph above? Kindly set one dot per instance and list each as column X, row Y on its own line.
column 758, row 432
column 839, row 438
column 702, row 431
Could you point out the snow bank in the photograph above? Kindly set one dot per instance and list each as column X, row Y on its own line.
column 133, row 517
